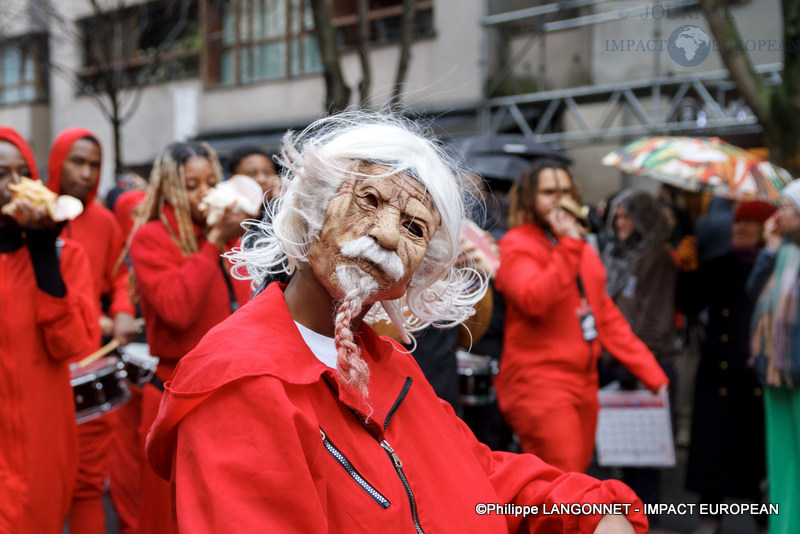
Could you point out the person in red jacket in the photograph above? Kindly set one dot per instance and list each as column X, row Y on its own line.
column 46, row 320
column 125, row 457
column 558, row 317
column 183, row 284
column 292, row 415
column 74, row 169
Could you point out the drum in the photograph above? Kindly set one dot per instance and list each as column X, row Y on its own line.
column 99, row 387
column 139, row 365
column 476, row 378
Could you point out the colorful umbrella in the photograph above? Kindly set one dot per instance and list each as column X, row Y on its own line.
column 702, row 164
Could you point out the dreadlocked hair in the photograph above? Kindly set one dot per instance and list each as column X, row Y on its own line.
column 167, row 185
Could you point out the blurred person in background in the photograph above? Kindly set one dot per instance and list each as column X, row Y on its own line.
column 73, row 169
column 558, row 318
column 255, row 162
column 713, row 229
column 47, row 319
column 642, row 277
column 126, row 182
column 183, row 283
column 727, row 416
column 126, row 210
column 775, row 353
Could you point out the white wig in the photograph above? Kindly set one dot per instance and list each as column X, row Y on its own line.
column 317, row 162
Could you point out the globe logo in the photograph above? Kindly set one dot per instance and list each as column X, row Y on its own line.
column 688, row 46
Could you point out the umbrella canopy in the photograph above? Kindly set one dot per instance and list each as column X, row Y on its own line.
column 702, row 164
column 514, row 144
column 496, row 166
column 503, row 156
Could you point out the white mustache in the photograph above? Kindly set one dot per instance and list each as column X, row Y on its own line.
column 366, row 248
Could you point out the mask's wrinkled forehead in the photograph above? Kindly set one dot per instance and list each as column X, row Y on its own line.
column 411, row 185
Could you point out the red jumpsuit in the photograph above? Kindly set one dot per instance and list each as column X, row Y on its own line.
column 39, row 334
column 547, row 384
column 125, row 457
column 181, row 299
column 256, row 436
column 97, row 230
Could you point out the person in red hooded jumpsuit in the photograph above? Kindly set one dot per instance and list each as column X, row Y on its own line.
column 74, row 169
column 46, row 320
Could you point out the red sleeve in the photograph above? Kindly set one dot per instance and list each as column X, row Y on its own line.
column 533, row 278
column 171, row 283
column 117, row 281
column 619, row 340
column 69, row 324
column 524, row 479
column 218, row 488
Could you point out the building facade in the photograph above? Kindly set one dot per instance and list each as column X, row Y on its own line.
column 583, row 75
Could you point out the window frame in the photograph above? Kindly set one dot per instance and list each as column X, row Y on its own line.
column 33, row 46
column 130, row 65
column 214, row 47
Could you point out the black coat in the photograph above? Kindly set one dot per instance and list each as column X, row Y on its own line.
column 726, row 455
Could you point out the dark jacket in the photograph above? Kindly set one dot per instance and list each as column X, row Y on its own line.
column 647, row 300
column 726, row 455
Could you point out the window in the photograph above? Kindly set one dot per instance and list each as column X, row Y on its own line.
column 148, row 43
column 23, row 76
column 385, row 20
column 253, row 40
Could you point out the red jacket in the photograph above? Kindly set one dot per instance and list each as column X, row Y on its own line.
column 181, row 297
column 38, row 335
column 543, row 340
column 256, row 436
column 96, row 229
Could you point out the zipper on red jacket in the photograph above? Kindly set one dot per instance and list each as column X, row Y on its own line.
column 382, row 501
column 398, row 466
column 397, row 401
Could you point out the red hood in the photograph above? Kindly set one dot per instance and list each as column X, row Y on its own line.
column 11, row 135
column 123, row 209
column 231, row 351
column 58, row 154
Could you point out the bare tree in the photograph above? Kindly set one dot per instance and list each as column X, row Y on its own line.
column 337, row 91
column 365, row 84
column 110, row 41
column 406, row 36
column 776, row 107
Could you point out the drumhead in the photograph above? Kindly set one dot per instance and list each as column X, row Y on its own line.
column 469, row 363
column 138, row 353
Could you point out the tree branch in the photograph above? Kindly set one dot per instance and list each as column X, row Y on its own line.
column 362, row 7
column 337, row 93
column 737, row 61
column 147, row 71
column 406, row 37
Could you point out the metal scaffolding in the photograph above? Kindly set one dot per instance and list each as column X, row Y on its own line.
column 706, row 103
